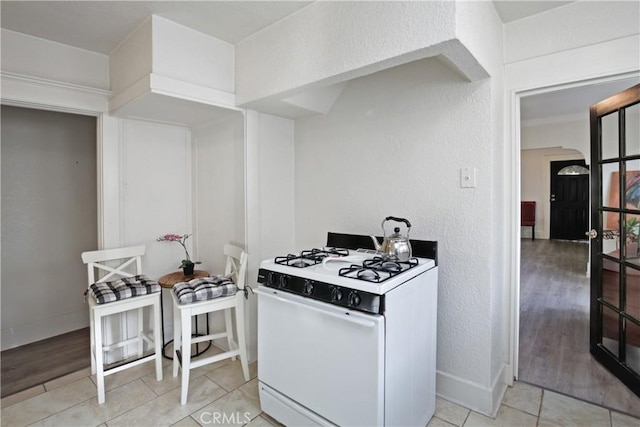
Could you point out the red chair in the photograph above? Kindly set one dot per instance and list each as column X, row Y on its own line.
column 528, row 217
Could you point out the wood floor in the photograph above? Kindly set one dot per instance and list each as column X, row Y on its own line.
column 36, row 363
column 554, row 327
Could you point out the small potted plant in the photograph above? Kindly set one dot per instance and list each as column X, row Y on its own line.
column 633, row 227
column 187, row 265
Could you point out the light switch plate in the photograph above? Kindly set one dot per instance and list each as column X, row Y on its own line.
column 468, row 178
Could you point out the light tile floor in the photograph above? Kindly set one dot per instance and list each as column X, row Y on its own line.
column 526, row 405
column 218, row 395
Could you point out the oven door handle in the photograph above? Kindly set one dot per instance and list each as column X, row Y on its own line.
column 342, row 316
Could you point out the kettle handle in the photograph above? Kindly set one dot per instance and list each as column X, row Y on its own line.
column 396, row 219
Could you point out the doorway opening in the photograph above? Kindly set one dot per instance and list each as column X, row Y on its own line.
column 49, row 216
column 553, row 334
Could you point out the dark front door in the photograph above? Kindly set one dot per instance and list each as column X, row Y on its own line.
column 615, row 251
column 569, row 202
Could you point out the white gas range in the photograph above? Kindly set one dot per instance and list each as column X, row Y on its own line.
column 347, row 338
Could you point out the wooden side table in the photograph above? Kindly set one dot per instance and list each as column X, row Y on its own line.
column 166, row 282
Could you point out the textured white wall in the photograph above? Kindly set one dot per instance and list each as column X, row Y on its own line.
column 479, row 29
column 33, row 56
column 393, row 144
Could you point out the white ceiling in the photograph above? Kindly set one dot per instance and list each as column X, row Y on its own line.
column 570, row 103
column 99, row 26
column 511, row 10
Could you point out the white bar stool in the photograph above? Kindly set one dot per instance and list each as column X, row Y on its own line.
column 202, row 296
column 109, row 296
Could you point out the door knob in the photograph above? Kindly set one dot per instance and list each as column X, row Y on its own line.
column 591, row 234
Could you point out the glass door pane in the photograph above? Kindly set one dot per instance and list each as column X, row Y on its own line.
column 611, row 283
column 610, row 330
column 633, row 293
column 609, row 132
column 611, row 191
column 633, row 346
column 632, row 130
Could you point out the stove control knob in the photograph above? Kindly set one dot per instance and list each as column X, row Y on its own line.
column 271, row 279
column 336, row 294
column 307, row 288
column 283, row 282
column 354, row 299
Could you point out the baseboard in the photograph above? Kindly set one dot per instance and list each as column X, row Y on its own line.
column 588, row 272
column 26, row 334
column 472, row 395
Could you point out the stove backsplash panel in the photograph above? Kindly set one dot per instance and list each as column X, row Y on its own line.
column 419, row 248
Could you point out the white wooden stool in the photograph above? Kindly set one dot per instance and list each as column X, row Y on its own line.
column 202, row 296
column 108, row 296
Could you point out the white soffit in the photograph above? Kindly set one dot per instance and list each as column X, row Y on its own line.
column 171, row 110
column 317, row 100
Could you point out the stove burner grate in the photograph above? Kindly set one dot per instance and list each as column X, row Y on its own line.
column 321, row 254
column 310, row 257
column 377, row 269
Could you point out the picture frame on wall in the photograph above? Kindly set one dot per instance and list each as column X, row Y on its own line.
column 632, row 197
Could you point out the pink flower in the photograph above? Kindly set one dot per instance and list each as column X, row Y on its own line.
column 171, row 238
column 180, row 238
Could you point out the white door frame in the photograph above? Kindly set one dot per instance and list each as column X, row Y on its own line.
column 32, row 92
column 513, row 105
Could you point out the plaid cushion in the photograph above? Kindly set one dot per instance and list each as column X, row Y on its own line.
column 126, row 287
column 204, row 288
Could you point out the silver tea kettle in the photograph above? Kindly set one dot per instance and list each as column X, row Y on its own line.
column 395, row 246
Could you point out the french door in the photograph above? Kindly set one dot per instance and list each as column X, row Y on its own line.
column 615, row 248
